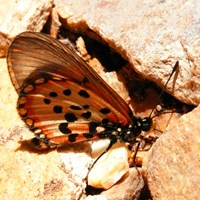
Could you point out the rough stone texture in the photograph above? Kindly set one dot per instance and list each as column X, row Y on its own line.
column 174, row 163
column 53, row 24
column 151, row 35
column 128, row 188
column 18, row 16
column 114, row 164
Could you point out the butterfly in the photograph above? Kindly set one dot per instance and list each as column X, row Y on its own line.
column 63, row 100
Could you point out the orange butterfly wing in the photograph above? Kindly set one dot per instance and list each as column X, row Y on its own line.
column 61, row 98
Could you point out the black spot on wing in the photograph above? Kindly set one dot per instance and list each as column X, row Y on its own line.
column 86, row 106
column 72, row 137
column 63, row 128
column 104, row 111
column 53, row 94
column 105, row 121
column 86, row 115
column 67, row 92
column 47, row 101
column 84, row 93
column 57, row 109
column 88, row 135
column 75, row 107
column 92, row 127
column 70, row 117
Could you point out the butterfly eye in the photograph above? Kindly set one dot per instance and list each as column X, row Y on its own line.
column 146, row 124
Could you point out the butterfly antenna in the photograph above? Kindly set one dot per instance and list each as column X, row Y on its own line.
column 163, row 89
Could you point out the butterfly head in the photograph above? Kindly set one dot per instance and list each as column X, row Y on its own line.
column 148, row 124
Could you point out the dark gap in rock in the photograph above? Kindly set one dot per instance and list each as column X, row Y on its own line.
column 141, row 89
column 47, row 26
column 145, row 193
column 65, row 33
column 111, row 60
column 92, row 191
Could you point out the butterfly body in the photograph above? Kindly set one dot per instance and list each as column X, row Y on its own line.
column 63, row 100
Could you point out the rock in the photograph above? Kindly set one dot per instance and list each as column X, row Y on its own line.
column 19, row 16
column 128, row 188
column 147, row 38
column 172, row 169
column 52, row 27
column 4, row 43
column 152, row 37
column 110, row 167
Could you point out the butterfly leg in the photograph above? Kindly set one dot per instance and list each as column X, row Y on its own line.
column 135, row 154
column 107, row 149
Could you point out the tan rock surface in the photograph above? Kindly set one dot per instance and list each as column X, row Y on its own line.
column 114, row 164
column 18, row 16
column 128, row 188
column 152, row 36
column 174, row 163
column 52, row 27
